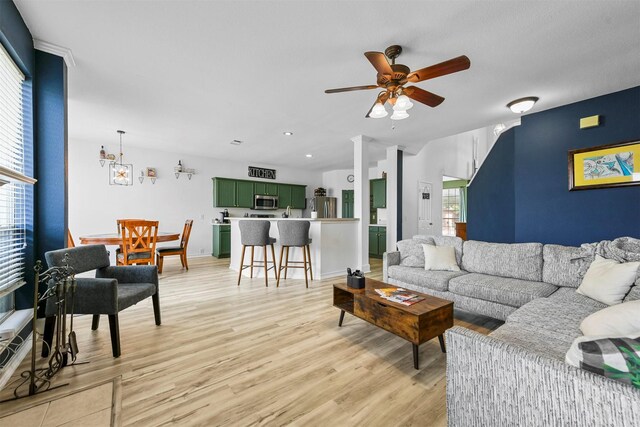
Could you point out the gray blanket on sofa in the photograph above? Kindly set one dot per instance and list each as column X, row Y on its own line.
column 622, row 249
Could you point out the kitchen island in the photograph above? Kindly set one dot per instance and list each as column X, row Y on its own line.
column 334, row 247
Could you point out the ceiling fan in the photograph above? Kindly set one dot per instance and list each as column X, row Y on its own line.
column 393, row 77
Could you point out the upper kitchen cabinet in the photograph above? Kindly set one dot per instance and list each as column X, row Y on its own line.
column 284, row 195
column 230, row 193
column 298, row 197
column 266, row 188
column 378, row 189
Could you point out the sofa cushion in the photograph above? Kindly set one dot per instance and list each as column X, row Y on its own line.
column 440, row 258
column 562, row 265
column 616, row 321
column 548, row 314
column 516, row 260
column 608, row 280
column 411, row 252
column 436, row 280
column 503, row 290
column 455, row 242
column 563, row 295
column 539, row 341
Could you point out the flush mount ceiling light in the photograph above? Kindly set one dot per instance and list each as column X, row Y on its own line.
column 309, row 156
column 522, row 105
column 120, row 173
column 287, row 133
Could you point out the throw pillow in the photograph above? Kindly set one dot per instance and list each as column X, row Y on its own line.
column 615, row 321
column 411, row 253
column 615, row 358
column 440, row 258
column 607, row 280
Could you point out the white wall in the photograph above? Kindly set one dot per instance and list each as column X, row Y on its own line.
column 451, row 156
column 94, row 205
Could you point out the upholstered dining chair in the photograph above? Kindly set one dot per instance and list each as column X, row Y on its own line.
column 138, row 242
column 176, row 250
column 113, row 289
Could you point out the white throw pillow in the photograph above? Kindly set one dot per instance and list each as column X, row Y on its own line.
column 616, row 321
column 608, row 281
column 440, row 258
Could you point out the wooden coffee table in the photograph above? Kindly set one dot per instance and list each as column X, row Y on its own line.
column 417, row 323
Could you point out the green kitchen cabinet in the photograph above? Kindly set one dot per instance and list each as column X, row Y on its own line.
column 245, row 194
column 298, row 197
column 221, row 241
column 266, row 188
column 378, row 189
column 347, row 203
column 224, row 193
column 284, row 195
column 377, row 241
column 231, row 193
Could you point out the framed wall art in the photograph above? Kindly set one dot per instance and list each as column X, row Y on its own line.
column 604, row 166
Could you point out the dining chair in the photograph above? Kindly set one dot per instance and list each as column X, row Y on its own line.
column 138, row 242
column 173, row 250
column 119, row 222
column 70, row 242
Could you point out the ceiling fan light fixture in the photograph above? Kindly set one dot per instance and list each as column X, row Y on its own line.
column 522, row 105
column 403, row 103
column 399, row 115
column 378, row 111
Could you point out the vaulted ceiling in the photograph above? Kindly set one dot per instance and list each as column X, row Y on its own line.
column 190, row 76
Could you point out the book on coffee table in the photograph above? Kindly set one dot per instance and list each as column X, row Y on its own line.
column 399, row 295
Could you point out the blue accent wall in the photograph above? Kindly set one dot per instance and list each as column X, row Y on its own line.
column 544, row 210
column 490, row 197
column 51, row 152
column 15, row 37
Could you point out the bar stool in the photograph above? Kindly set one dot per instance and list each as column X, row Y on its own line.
column 256, row 233
column 295, row 234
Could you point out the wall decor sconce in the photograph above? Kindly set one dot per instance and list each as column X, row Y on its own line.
column 180, row 169
column 151, row 173
column 104, row 156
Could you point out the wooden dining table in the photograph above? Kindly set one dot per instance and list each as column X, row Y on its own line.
column 115, row 239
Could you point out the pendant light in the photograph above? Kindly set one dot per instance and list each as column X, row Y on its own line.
column 119, row 172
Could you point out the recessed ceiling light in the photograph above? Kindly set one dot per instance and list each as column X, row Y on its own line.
column 287, row 133
column 236, row 142
column 522, row 105
column 309, row 155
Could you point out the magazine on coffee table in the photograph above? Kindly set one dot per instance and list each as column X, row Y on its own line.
column 399, row 295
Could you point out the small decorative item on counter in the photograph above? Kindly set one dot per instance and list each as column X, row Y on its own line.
column 384, row 175
column 320, row 192
column 355, row 279
column 103, row 154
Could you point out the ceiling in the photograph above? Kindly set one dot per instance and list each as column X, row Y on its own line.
column 191, row 76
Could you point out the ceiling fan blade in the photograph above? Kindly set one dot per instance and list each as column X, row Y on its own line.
column 421, row 95
column 352, row 88
column 379, row 62
column 442, row 69
column 381, row 98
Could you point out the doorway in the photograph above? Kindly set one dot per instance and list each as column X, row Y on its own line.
column 454, row 206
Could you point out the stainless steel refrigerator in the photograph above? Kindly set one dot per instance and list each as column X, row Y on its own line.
column 327, row 207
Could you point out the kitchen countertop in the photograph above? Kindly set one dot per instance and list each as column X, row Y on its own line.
column 298, row 219
column 377, row 225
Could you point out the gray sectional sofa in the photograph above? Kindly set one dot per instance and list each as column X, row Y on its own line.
column 517, row 374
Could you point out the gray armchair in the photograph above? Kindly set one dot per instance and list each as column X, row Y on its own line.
column 113, row 289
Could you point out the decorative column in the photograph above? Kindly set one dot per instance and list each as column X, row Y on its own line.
column 361, row 198
column 394, row 196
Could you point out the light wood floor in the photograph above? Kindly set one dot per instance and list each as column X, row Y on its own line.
column 250, row 355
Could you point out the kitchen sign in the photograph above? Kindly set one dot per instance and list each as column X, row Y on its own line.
column 255, row 172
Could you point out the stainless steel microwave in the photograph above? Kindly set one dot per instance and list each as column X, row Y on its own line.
column 264, row 202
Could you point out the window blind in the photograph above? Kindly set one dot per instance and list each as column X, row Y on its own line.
column 12, row 193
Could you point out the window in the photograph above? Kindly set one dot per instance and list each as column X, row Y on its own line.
column 12, row 193
column 450, row 210
column 454, row 204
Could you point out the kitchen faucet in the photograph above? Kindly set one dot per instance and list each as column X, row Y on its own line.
column 288, row 211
